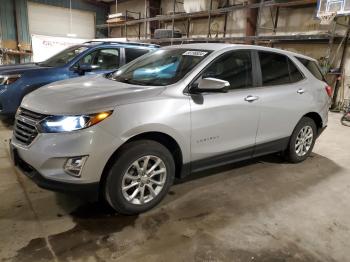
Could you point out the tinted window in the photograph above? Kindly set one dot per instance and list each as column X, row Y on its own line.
column 278, row 69
column 133, row 53
column 274, row 69
column 234, row 67
column 102, row 59
column 312, row 67
column 295, row 74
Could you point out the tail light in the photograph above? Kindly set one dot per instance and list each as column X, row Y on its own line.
column 329, row 91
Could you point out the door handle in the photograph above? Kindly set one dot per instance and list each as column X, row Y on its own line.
column 301, row 91
column 251, row 98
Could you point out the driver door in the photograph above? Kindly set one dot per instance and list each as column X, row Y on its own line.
column 101, row 61
column 224, row 124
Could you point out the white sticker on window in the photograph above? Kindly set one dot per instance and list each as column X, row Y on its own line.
column 195, row 53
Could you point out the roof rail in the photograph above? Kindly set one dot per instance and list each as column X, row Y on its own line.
column 120, row 42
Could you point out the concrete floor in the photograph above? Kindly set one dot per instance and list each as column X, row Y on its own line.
column 260, row 210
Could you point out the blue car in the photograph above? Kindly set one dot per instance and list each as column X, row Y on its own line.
column 94, row 57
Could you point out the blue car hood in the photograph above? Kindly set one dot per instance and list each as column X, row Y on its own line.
column 21, row 68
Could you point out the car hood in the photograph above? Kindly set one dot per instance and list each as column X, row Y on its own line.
column 17, row 69
column 83, row 95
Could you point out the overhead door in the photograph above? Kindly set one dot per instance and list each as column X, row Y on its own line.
column 55, row 21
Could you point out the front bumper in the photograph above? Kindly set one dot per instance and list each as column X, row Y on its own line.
column 44, row 159
column 89, row 190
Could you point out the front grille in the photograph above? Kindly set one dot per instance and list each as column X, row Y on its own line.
column 25, row 126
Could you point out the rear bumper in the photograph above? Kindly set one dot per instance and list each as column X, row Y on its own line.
column 87, row 191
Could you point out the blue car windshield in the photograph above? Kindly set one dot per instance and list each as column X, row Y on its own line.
column 160, row 68
column 63, row 57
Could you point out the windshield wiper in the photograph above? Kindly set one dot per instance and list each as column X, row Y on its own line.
column 129, row 81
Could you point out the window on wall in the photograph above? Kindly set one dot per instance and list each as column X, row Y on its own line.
column 234, row 67
column 278, row 69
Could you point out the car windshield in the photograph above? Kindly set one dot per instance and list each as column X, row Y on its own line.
column 63, row 57
column 160, row 68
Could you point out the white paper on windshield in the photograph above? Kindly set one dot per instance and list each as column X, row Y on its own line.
column 195, row 53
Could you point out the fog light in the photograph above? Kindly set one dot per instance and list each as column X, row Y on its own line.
column 74, row 165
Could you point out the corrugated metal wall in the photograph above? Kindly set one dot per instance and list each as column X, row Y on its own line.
column 14, row 28
column 7, row 23
column 22, row 24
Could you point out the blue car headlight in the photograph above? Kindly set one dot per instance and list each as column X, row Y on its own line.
column 59, row 124
column 8, row 79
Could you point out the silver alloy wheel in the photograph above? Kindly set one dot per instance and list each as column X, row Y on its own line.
column 304, row 141
column 144, row 179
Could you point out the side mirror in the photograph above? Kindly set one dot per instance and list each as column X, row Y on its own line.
column 83, row 68
column 212, row 85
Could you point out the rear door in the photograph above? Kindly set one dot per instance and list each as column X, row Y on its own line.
column 283, row 99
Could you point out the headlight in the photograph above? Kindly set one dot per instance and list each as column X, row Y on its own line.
column 8, row 79
column 58, row 124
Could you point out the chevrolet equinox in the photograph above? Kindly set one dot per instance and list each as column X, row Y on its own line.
column 125, row 136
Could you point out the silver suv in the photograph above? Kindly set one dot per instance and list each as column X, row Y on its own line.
column 125, row 136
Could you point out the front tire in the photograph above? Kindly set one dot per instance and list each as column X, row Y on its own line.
column 302, row 141
column 140, row 177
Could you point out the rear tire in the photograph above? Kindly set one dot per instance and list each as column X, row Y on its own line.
column 302, row 141
column 140, row 177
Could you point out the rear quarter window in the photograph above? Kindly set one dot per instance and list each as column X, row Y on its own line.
column 278, row 69
column 313, row 68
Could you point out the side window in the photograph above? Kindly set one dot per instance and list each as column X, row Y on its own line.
column 133, row 53
column 87, row 59
column 312, row 67
column 295, row 74
column 102, row 59
column 274, row 69
column 234, row 67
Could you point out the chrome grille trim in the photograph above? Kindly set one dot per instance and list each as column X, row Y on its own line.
column 25, row 130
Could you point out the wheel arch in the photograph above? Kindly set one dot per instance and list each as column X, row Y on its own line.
column 165, row 139
column 317, row 119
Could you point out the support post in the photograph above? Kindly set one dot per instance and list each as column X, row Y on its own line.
column 225, row 19
column 258, row 22
column 251, row 19
column 145, row 23
column 209, row 18
column 275, row 24
column 125, row 24
column 341, row 65
column 17, row 28
column 173, row 22
column 188, row 27
column 139, row 25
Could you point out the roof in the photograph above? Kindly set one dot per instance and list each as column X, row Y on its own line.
column 205, row 46
column 220, row 46
column 106, row 42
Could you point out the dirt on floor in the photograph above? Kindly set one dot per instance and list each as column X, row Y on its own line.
column 259, row 210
